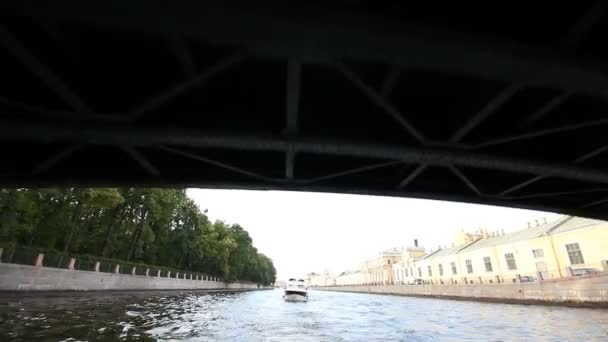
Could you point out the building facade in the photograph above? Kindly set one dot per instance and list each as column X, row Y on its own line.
column 379, row 270
column 404, row 271
column 544, row 250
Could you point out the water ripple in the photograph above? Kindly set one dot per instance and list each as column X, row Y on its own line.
column 264, row 316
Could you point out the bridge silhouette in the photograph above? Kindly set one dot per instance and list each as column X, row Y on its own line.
column 504, row 106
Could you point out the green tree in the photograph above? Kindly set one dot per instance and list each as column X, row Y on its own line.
column 155, row 226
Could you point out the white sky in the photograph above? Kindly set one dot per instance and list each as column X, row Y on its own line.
column 313, row 232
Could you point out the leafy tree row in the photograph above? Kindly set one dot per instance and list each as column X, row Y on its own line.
column 154, row 226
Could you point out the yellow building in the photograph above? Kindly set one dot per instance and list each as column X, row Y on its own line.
column 350, row 278
column 380, row 270
column 545, row 251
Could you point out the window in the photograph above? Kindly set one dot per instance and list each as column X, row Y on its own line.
column 574, row 253
column 469, row 266
column 453, row 264
column 538, row 253
column 511, row 265
column 419, row 272
column 440, row 270
column 488, row 263
column 389, row 262
column 430, row 270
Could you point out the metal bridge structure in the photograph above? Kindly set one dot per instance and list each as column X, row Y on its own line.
column 500, row 104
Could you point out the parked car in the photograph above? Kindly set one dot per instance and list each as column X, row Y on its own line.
column 584, row 271
column 527, row 279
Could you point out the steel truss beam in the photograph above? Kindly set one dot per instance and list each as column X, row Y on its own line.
column 292, row 104
column 118, row 135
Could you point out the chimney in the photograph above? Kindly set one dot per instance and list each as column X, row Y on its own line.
column 415, row 242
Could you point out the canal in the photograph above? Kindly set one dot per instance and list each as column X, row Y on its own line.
column 263, row 316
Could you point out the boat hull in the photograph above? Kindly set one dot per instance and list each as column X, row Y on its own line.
column 295, row 297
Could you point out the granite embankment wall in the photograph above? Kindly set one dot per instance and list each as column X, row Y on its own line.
column 14, row 277
column 587, row 291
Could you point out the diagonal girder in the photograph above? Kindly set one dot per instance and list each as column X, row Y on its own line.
column 541, row 133
column 583, row 158
column 577, row 32
column 141, row 160
column 465, row 180
column 492, row 106
column 547, row 108
column 410, row 178
column 381, row 102
column 183, row 87
column 43, row 72
column 56, row 158
column 352, row 171
column 178, row 45
column 216, row 163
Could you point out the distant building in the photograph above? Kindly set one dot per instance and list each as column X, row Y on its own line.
column 380, row 270
column 404, row 271
column 317, row 279
column 350, row 278
column 543, row 250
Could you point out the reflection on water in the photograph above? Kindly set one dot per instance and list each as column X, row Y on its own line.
column 264, row 316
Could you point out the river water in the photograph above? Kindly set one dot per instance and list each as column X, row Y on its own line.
column 264, row 316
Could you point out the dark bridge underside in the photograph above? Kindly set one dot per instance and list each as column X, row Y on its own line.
column 502, row 105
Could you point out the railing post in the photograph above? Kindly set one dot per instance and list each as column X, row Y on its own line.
column 71, row 264
column 147, row 272
column 39, row 260
column 176, row 275
column 168, row 274
column 1, row 251
column 117, row 269
column 133, row 269
column 190, row 276
column 97, row 264
column 158, row 273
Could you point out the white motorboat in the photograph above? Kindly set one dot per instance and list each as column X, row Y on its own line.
column 296, row 291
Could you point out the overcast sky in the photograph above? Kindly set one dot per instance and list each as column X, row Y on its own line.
column 312, row 232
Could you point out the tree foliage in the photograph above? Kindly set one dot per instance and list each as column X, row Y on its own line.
column 154, row 226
